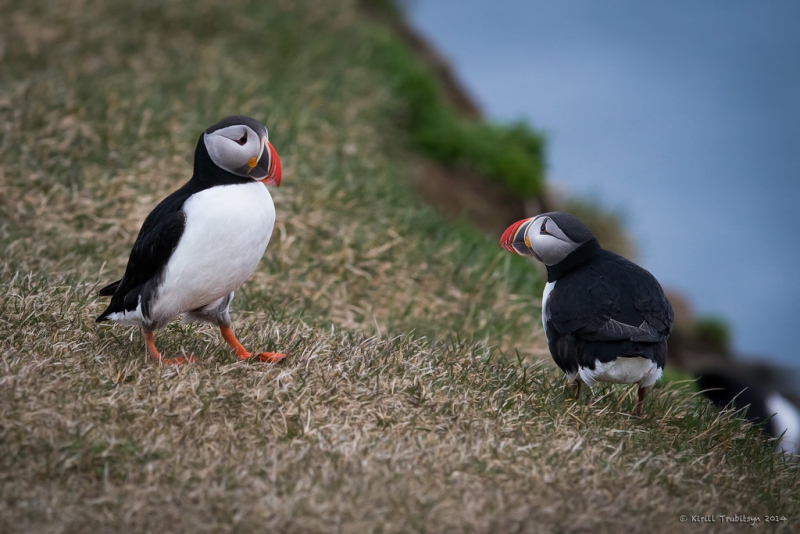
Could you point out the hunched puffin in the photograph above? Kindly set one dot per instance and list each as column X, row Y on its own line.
column 204, row 240
column 606, row 319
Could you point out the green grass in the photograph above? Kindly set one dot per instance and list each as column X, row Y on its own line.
column 418, row 396
column 512, row 155
column 714, row 333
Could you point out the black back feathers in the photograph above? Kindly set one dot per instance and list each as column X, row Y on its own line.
column 602, row 306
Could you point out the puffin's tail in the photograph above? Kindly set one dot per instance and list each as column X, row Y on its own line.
column 109, row 289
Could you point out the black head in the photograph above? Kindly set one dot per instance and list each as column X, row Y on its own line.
column 240, row 145
column 549, row 237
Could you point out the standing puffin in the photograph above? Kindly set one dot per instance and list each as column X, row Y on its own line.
column 606, row 319
column 204, row 240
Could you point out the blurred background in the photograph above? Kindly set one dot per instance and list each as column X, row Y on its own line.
column 681, row 116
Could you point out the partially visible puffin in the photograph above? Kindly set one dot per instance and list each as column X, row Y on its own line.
column 606, row 319
column 781, row 418
column 204, row 240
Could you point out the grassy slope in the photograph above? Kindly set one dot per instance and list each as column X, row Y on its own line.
column 366, row 426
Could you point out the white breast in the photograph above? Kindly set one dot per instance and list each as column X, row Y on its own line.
column 622, row 371
column 227, row 230
column 548, row 288
column 786, row 421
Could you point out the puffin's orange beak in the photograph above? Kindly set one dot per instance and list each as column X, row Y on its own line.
column 274, row 167
column 513, row 239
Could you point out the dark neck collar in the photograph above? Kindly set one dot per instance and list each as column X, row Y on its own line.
column 575, row 259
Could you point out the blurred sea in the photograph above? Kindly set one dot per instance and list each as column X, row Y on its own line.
column 683, row 115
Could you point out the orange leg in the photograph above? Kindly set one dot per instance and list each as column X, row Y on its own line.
column 153, row 352
column 242, row 353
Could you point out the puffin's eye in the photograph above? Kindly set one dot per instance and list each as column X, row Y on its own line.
column 543, row 229
column 242, row 140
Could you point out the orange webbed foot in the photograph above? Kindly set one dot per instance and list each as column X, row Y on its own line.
column 153, row 352
column 271, row 357
column 244, row 354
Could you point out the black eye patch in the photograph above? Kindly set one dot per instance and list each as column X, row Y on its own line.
column 242, row 140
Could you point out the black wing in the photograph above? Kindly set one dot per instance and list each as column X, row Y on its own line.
column 109, row 290
column 157, row 239
column 612, row 299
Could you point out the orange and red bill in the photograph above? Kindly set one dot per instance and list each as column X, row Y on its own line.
column 514, row 238
column 268, row 167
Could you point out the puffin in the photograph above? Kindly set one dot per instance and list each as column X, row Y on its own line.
column 203, row 241
column 605, row 318
column 778, row 415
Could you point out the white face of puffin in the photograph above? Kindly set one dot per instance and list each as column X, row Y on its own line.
column 547, row 241
column 242, row 151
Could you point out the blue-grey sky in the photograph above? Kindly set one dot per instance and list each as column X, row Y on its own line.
column 685, row 115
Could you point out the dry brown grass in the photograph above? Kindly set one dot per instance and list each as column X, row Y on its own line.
column 402, row 408
column 353, row 433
